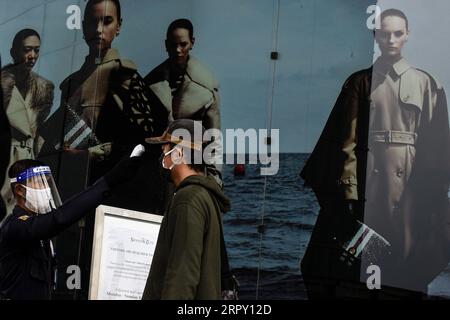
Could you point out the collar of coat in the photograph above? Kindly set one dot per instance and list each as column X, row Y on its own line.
column 195, row 70
column 112, row 55
column 400, row 67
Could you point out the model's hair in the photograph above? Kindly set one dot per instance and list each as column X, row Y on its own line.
column 181, row 24
column 395, row 13
column 92, row 2
column 18, row 41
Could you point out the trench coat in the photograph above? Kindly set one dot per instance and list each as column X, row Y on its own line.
column 5, row 145
column 197, row 99
column 25, row 116
column 402, row 188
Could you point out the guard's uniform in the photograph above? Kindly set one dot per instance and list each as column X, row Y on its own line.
column 25, row 248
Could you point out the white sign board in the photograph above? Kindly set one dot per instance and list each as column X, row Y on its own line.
column 124, row 243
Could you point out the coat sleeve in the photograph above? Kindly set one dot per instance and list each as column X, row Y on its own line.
column 45, row 99
column 44, row 107
column 5, row 145
column 212, row 117
column 212, row 121
column 348, row 179
column 184, row 260
column 333, row 165
column 45, row 226
column 426, row 196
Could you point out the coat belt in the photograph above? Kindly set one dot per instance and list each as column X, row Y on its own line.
column 392, row 136
column 23, row 144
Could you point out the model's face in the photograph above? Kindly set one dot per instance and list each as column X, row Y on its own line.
column 392, row 36
column 28, row 53
column 178, row 45
column 101, row 26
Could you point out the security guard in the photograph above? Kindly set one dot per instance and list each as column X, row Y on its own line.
column 26, row 251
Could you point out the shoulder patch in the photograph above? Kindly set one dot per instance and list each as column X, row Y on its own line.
column 24, row 218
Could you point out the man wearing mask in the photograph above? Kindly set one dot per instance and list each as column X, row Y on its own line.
column 187, row 260
column 26, row 251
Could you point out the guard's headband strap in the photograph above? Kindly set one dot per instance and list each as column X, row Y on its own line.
column 31, row 172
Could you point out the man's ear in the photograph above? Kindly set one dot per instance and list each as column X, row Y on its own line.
column 179, row 155
column 180, row 151
column 166, row 44
column 19, row 190
column 193, row 42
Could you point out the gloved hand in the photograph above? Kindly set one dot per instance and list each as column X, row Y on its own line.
column 125, row 170
column 100, row 152
column 138, row 151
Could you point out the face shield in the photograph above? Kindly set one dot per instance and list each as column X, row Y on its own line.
column 40, row 192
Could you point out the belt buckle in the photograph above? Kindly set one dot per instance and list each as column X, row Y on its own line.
column 388, row 136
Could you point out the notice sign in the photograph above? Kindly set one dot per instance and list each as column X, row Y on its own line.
column 124, row 243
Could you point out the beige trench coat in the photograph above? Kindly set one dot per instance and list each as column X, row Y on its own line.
column 197, row 99
column 25, row 116
column 403, row 178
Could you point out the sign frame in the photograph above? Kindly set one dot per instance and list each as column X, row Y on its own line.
column 99, row 231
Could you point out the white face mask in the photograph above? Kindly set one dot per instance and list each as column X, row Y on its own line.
column 174, row 161
column 39, row 200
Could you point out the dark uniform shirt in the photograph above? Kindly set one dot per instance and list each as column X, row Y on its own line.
column 25, row 253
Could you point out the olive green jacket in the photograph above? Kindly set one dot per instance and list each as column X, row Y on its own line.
column 186, row 264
